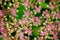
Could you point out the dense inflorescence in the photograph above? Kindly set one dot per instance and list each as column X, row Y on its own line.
column 29, row 19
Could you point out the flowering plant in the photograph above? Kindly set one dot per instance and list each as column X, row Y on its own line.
column 29, row 19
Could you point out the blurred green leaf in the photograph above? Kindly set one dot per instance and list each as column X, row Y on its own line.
column 35, row 31
column 59, row 7
column 20, row 13
column 1, row 38
column 44, row 5
column 34, row 1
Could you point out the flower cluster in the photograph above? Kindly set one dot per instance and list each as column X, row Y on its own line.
column 29, row 19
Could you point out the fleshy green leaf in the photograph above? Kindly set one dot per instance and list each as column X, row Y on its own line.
column 44, row 5
column 35, row 31
column 20, row 13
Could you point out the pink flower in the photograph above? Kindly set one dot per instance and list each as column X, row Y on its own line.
column 33, row 6
column 58, row 0
column 13, row 11
column 46, row 12
column 52, row 26
column 48, row 28
column 38, row 9
column 3, row 31
column 1, row 14
column 4, row 11
column 27, row 13
column 52, row 6
column 21, row 35
column 41, row 33
column 0, row 19
column 55, row 35
column 32, row 19
column 37, row 19
column 23, row 21
column 58, row 14
column 0, row 1
column 53, row 15
column 16, row 24
column 25, row 4
column 46, row 33
column 1, row 28
column 28, row 31
column 2, row 23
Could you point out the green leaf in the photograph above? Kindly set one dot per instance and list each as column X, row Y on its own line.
column 44, row 5
column 59, row 7
column 35, row 31
column 34, row 1
column 20, row 13
column 1, row 38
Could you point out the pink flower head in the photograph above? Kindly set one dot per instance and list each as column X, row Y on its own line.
column 23, row 21
column 52, row 6
column 52, row 26
column 0, row 1
column 58, row 0
column 21, row 35
column 41, row 32
column 32, row 19
column 55, row 35
column 27, row 13
column 33, row 6
column 28, row 31
column 48, row 28
column 3, row 31
column 38, row 9
column 16, row 24
column 0, row 19
column 1, row 14
column 25, row 4
column 4, row 11
column 46, row 12
column 1, row 28
column 53, row 14
column 58, row 14
column 38, row 20
column 13, row 11
column 46, row 33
